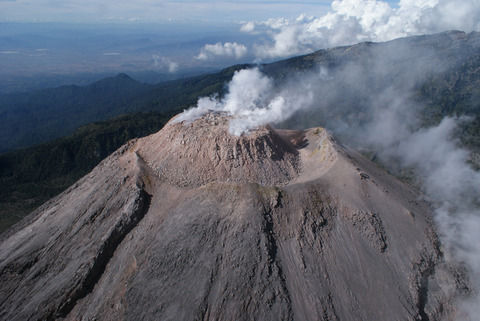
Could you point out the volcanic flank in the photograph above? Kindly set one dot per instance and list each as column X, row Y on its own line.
column 192, row 223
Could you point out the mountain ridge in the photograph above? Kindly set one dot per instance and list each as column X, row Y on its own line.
column 453, row 46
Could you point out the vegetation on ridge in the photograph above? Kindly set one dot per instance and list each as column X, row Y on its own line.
column 31, row 176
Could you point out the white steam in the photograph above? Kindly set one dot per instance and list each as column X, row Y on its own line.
column 450, row 182
column 353, row 21
column 252, row 100
column 227, row 49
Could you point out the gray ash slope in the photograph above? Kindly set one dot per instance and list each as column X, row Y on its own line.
column 192, row 223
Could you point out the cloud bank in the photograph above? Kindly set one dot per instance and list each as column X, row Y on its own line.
column 353, row 21
column 227, row 49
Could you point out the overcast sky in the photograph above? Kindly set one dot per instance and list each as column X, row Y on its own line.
column 157, row 10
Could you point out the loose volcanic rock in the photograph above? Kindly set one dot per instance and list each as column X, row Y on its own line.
column 192, row 223
column 203, row 151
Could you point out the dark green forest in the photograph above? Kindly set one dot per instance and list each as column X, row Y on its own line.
column 31, row 176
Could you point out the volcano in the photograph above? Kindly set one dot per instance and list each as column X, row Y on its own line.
column 192, row 223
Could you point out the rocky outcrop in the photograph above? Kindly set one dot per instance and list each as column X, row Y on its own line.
column 192, row 223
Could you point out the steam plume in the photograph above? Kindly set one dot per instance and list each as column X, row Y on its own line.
column 252, row 100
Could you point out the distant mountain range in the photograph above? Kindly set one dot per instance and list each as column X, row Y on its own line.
column 447, row 84
column 31, row 118
column 28, row 83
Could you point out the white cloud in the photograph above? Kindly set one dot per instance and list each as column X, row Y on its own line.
column 353, row 21
column 248, row 26
column 227, row 49
column 164, row 63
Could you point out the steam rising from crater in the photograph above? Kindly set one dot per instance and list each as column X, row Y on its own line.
column 252, row 100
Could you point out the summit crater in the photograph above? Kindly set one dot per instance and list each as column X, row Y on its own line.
column 202, row 151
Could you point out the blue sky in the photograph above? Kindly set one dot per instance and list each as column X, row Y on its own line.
column 161, row 11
